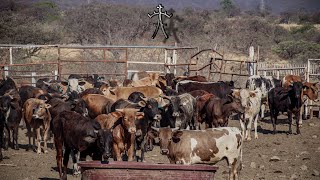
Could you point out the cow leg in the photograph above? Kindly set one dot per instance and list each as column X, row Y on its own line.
column 38, row 140
column 45, row 139
column 298, row 121
column 243, row 128
column 249, row 128
column 29, row 133
column 1, row 141
column 263, row 108
column 131, row 148
column 256, row 126
column 15, row 138
column 290, row 121
column 7, row 138
column 75, row 159
column 233, row 168
column 58, row 145
column 117, row 153
column 67, row 151
column 34, row 139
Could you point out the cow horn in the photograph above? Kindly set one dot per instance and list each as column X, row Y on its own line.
column 144, row 98
column 46, row 83
column 166, row 97
column 156, row 129
column 95, row 131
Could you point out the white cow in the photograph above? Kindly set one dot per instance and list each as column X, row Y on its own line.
column 251, row 100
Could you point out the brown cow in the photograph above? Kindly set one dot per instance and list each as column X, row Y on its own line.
column 36, row 113
column 124, row 131
column 97, row 104
column 289, row 79
column 197, row 93
column 124, row 92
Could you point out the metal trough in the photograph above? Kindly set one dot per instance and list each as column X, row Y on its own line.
column 95, row 170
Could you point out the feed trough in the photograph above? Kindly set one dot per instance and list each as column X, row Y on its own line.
column 95, row 170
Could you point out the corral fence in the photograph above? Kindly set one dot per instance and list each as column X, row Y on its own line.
column 28, row 63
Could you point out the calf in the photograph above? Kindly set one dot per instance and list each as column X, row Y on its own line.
column 205, row 146
column 10, row 118
column 35, row 114
column 251, row 100
column 78, row 133
column 124, row 132
column 286, row 100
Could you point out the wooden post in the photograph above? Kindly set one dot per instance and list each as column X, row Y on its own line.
column 33, row 79
column 278, row 74
column 251, row 58
column 56, row 75
column 11, row 58
column 166, row 62
column 174, row 56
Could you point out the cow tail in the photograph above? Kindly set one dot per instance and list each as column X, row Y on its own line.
column 241, row 149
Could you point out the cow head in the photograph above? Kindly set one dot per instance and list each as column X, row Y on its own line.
column 246, row 94
column 176, row 106
column 297, row 88
column 235, row 104
column 41, row 110
column 150, row 108
column 105, row 141
column 129, row 116
column 80, row 106
column 59, row 87
column 6, row 103
column 166, row 137
column 311, row 91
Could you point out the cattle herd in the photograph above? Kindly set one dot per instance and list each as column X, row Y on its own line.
column 90, row 116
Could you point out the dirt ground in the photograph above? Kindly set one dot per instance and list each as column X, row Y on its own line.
column 299, row 156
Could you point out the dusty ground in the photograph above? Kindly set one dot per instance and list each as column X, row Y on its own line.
column 299, row 156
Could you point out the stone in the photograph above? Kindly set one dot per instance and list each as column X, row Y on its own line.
column 304, row 168
column 253, row 165
column 315, row 173
column 274, row 158
column 304, row 152
column 261, row 167
column 314, row 136
column 263, row 156
column 294, row 176
column 311, row 124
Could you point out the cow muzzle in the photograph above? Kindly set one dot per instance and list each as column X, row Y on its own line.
column 132, row 130
column 175, row 114
column 106, row 156
column 164, row 151
column 157, row 117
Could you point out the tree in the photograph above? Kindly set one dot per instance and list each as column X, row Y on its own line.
column 229, row 8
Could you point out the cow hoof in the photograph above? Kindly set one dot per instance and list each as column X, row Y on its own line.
column 256, row 137
column 76, row 173
column 16, row 147
column 300, row 125
column 249, row 139
column 46, row 151
column 38, row 152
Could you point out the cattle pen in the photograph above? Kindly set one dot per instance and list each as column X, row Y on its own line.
column 28, row 63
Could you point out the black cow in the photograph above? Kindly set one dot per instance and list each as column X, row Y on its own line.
column 6, row 85
column 10, row 117
column 77, row 133
column 286, row 100
column 220, row 89
column 122, row 103
column 27, row 92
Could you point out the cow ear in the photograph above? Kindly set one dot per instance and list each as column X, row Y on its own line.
column 139, row 115
column 89, row 139
column 64, row 83
column 142, row 103
column 82, row 83
column 236, row 92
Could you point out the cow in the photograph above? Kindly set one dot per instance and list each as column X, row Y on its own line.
column 122, row 103
column 97, row 104
column 124, row 132
column 286, row 100
column 202, row 146
column 182, row 108
column 7, row 84
column 265, row 84
column 216, row 110
column 135, row 97
column 79, row 134
column 27, row 92
column 124, row 92
column 35, row 114
column 10, row 118
column 251, row 100
column 220, row 89
column 310, row 90
column 197, row 78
